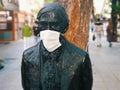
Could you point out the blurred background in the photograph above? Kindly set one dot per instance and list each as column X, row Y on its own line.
column 82, row 14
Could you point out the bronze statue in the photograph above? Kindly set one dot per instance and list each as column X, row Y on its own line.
column 54, row 63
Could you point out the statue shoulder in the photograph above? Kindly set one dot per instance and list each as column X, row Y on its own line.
column 28, row 53
column 76, row 49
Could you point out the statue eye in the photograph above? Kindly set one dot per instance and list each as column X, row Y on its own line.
column 43, row 25
column 53, row 25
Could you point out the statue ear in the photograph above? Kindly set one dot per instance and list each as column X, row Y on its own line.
column 67, row 26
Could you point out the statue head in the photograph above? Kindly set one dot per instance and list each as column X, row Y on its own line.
column 53, row 17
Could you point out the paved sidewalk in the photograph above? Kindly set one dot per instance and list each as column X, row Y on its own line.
column 10, row 75
column 105, row 63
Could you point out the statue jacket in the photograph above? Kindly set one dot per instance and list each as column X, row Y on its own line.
column 66, row 68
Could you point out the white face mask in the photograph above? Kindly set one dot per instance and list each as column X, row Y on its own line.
column 50, row 39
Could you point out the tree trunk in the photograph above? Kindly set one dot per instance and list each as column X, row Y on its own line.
column 114, row 21
column 79, row 12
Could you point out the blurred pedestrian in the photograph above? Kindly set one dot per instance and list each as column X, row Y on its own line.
column 98, row 31
column 55, row 63
column 109, row 33
column 27, row 33
column 92, row 26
